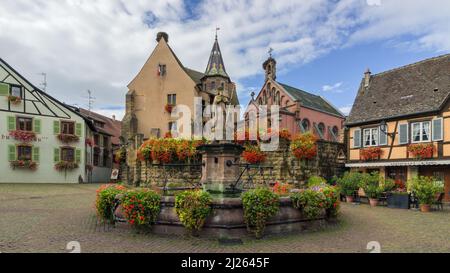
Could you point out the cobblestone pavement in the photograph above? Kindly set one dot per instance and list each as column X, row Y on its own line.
column 44, row 218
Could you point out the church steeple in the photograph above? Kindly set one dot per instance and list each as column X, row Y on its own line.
column 216, row 67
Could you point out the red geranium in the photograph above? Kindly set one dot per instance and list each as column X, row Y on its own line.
column 304, row 146
column 169, row 108
column 421, row 151
column 24, row 136
column 253, row 155
column 371, row 153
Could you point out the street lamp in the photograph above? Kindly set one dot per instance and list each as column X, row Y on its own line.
column 383, row 127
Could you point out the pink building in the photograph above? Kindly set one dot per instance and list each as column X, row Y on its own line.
column 300, row 111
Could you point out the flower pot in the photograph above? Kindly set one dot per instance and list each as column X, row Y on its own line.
column 349, row 199
column 373, row 202
column 425, row 208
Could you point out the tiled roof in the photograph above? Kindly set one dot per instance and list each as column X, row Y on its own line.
column 112, row 127
column 310, row 100
column 416, row 88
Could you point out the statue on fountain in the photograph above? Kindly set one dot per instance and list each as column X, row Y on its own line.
column 220, row 104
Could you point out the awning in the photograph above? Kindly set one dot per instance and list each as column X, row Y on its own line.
column 398, row 163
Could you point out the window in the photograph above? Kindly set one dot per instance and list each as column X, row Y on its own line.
column 24, row 153
column 161, row 69
column 321, row 128
column 421, row 131
column 16, row 91
column 24, row 124
column 105, row 158
column 335, row 131
column 68, row 154
column 213, row 85
column 305, row 125
column 172, row 126
column 222, row 85
column 172, row 99
column 67, row 127
column 370, row 137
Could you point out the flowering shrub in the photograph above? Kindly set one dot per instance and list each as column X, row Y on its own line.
column 253, row 154
column 66, row 138
column 169, row 108
column 168, row 150
column 281, row 189
column 104, row 202
column 141, row 207
column 316, row 181
column 259, row 205
column 311, row 202
column 168, row 135
column 304, row 146
column 24, row 136
column 421, row 151
column 14, row 100
column 192, row 207
column 332, row 200
column 24, row 164
column 372, row 153
column 66, row 166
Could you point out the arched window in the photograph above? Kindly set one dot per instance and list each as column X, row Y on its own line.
column 321, row 128
column 222, row 85
column 277, row 98
column 335, row 130
column 213, row 85
column 306, row 126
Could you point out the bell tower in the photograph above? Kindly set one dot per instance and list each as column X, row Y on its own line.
column 270, row 67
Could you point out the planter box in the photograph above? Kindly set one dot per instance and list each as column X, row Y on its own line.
column 398, row 201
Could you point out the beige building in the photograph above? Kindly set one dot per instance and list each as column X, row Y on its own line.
column 164, row 82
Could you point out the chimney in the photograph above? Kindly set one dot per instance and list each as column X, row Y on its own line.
column 114, row 117
column 163, row 35
column 367, row 76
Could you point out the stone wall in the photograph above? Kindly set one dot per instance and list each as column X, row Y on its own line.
column 330, row 161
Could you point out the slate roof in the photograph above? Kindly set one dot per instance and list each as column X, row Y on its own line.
column 311, row 101
column 422, row 87
column 216, row 66
column 195, row 75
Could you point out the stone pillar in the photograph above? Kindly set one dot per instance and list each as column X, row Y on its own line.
column 137, row 169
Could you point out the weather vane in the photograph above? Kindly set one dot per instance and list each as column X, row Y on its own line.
column 217, row 29
column 270, row 52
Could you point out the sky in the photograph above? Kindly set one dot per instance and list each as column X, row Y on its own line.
column 321, row 46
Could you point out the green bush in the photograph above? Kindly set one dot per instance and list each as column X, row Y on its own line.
column 332, row 200
column 349, row 183
column 371, row 185
column 141, row 207
column 316, row 181
column 192, row 207
column 105, row 200
column 425, row 189
column 311, row 202
column 259, row 205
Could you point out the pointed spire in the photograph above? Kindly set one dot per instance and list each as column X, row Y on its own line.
column 216, row 67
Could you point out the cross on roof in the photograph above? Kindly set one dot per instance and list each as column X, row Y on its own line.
column 270, row 52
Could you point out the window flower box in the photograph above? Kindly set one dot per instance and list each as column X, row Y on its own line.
column 169, row 108
column 66, row 138
column 14, row 100
column 24, row 164
column 369, row 154
column 421, row 151
column 66, row 166
column 23, row 136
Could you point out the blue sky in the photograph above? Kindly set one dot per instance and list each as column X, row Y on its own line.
column 321, row 46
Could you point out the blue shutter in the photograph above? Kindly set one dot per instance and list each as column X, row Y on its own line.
column 357, row 138
column 437, row 130
column 383, row 135
column 403, row 134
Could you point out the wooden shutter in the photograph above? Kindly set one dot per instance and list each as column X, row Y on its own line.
column 403, row 133
column 36, row 154
column 56, row 127
column 78, row 155
column 12, row 153
column 4, row 89
column 437, row 129
column 56, row 155
column 383, row 135
column 357, row 138
column 11, row 123
column 78, row 129
column 37, row 126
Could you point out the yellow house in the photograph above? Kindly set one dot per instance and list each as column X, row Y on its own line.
column 400, row 122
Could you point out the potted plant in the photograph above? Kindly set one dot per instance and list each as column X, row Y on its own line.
column 372, row 188
column 349, row 184
column 425, row 189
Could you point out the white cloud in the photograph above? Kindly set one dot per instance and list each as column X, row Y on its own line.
column 346, row 109
column 101, row 45
column 333, row 88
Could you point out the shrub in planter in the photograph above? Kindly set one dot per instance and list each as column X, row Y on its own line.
column 304, row 146
column 425, row 189
column 141, row 207
column 105, row 200
column 316, row 181
column 372, row 187
column 23, row 136
column 349, row 184
column 310, row 201
column 259, row 205
column 253, row 155
column 192, row 207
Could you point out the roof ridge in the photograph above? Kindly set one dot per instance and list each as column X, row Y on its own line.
column 298, row 89
column 412, row 65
